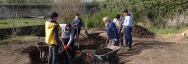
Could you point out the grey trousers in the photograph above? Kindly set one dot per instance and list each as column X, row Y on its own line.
column 111, row 42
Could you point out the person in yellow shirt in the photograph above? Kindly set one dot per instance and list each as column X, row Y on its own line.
column 52, row 34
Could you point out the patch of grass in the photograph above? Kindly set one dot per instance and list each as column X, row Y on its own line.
column 18, row 39
column 169, row 30
column 6, row 23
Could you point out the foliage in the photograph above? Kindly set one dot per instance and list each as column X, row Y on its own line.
column 154, row 10
column 66, row 9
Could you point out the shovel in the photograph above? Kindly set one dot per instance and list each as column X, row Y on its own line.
column 70, row 62
column 77, row 39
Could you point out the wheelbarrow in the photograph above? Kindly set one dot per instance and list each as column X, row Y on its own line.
column 43, row 48
column 108, row 57
column 91, row 36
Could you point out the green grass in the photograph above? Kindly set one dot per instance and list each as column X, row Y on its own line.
column 173, row 29
column 6, row 23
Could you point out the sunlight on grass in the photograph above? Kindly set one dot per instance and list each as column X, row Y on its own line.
column 6, row 23
column 173, row 29
column 16, row 38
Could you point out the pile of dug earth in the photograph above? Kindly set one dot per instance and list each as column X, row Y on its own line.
column 137, row 32
column 140, row 32
column 102, row 51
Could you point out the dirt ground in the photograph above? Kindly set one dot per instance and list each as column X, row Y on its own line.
column 145, row 51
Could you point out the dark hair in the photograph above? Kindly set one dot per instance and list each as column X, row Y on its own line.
column 125, row 11
column 117, row 16
column 68, row 25
column 54, row 14
column 77, row 14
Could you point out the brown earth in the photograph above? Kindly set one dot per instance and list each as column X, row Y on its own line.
column 145, row 51
column 137, row 32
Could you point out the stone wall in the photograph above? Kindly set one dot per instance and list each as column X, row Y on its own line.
column 23, row 11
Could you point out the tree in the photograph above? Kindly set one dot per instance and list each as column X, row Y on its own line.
column 66, row 9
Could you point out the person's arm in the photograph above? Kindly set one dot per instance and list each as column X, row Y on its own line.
column 71, row 37
column 129, row 21
column 73, row 23
column 56, row 35
column 114, row 30
column 114, row 20
column 80, row 22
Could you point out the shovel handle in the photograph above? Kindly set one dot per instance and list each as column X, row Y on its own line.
column 63, row 46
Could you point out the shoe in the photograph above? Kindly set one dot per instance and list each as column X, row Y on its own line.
column 126, row 47
column 129, row 49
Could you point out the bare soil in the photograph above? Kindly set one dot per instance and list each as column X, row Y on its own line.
column 145, row 51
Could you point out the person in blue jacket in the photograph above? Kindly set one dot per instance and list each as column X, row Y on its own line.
column 68, row 39
column 77, row 23
column 112, row 32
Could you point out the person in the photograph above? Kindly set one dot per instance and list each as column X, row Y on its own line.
column 112, row 32
column 52, row 33
column 77, row 23
column 127, row 26
column 118, row 20
column 68, row 39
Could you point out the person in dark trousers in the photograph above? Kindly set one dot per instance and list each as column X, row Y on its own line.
column 68, row 39
column 112, row 32
column 118, row 20
column 77, row 22
column 52, row 34
column 127, row 25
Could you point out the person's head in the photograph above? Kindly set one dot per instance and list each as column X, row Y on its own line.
column 125, row 12
column 105, row 20
column 68, row 26
column 117, row 17
column 77, row 15
column 54, row 16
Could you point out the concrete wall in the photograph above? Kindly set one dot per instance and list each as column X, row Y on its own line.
column 23, row 11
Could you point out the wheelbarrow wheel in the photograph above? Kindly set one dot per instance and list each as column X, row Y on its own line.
column 43, row 60
column 44, row 56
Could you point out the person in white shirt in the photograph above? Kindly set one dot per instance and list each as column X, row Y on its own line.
column 118, row 20
column 68, row 39
column 127, row 26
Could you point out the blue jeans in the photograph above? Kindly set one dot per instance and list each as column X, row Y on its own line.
column 53, row 54
column 73, row 51
column 128, row 36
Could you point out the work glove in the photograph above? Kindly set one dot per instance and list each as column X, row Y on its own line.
column 116, row 40
column 66, row 47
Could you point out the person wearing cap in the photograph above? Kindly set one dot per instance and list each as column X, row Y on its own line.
column 127, row 26
column 68, row 40
column 52, row 34
column 118, row 20
column 112, row 32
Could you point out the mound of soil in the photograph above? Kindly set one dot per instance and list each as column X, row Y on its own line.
column 137, row 32
column 102, row 51
column 101, row 28
column 140, row 32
